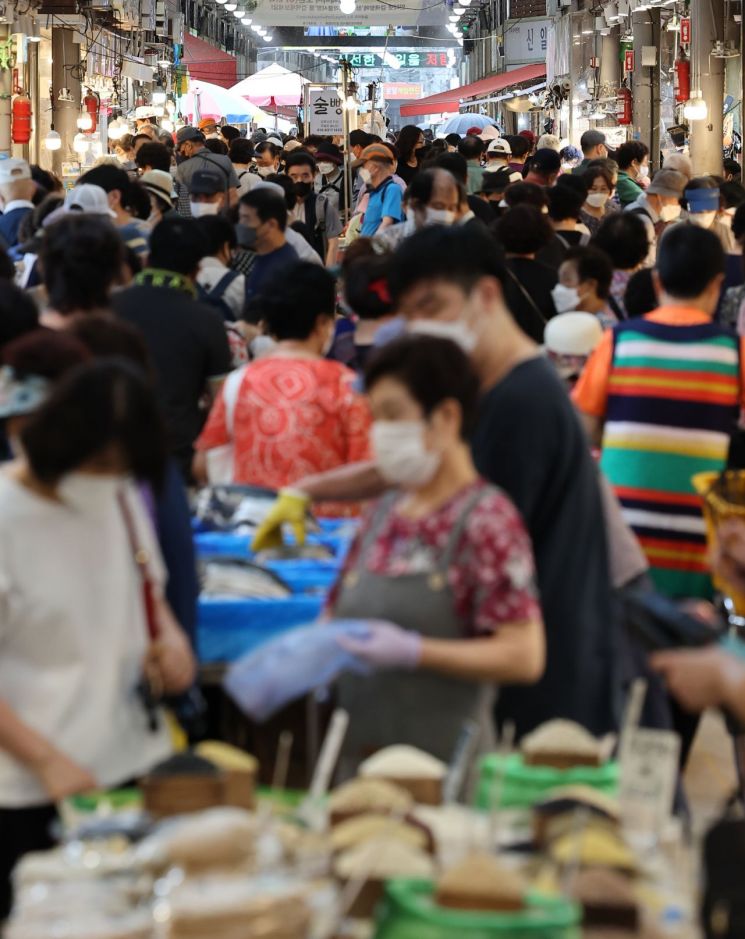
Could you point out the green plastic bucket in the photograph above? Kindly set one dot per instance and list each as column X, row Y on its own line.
column 522, row 786
column 409, row 912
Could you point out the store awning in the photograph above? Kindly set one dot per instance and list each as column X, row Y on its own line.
column 448, row 102
column 209, row 63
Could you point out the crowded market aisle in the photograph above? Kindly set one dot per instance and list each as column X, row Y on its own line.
column 367, row 562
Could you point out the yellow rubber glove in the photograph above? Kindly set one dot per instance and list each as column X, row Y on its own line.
column 290, row 508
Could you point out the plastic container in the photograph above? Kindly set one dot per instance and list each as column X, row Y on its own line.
column 409, row 912
column 523, row 786
column 229, row 628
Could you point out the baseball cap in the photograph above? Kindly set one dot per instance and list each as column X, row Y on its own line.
column 328, row 152
column 160, row 184
column 292, row 145
column 490, row 132
column 376, row 151
column 591, row 138
column 668, row 182
column 701, row 200
column 89, row 199
column 500, row 145
column 473, row 131
column 188, row 133
column 207, row 122
column 273, row 138
column 206, row 183
column 528, row 135
column 14, row 168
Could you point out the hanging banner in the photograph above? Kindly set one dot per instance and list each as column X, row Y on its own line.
column 526, row 41
column 367, row 13
column 325, row 112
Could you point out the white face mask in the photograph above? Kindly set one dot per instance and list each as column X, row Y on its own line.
column 266, row 170
column 643, row 172
column 400, row 453
column 200, row 209
column 703, row 219
column 669, row 212
column 456, row 331
column 365, row 175
column 439, row 217
column 326, row 169
column 565, row 298
column 597, row 199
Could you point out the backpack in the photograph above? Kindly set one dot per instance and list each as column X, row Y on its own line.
column 216, row 296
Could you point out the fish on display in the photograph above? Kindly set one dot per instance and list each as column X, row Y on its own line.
column 237, row 577
column 306, row 552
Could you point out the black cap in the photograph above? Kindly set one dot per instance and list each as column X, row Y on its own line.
column 188, row 133
column 545, row 161
column 206, row 183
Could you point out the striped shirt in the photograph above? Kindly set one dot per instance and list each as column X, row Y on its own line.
column 669, row 387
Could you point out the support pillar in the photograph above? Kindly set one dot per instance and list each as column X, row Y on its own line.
column 707, row 22
column 65, row 53
column 610, row 64
column 32, row 86
column 646, row 87
column 6, row 93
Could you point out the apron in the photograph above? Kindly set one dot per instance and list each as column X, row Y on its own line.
column 421, row 708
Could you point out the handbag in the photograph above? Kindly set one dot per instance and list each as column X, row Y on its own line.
column 150, row 689
column 723, row 906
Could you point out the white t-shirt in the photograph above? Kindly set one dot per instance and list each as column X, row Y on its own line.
column 73, row 630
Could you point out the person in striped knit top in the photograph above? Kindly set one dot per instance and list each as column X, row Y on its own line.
column 662, row 395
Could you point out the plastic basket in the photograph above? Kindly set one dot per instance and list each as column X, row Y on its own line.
column 723, row 497
column 522, row 786
column 229, row 628
column 409, row 912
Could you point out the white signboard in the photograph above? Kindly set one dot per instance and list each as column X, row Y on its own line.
column 325, row 110
column 526, row 41
column 368, row 13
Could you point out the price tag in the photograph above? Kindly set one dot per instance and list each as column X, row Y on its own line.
column 649, row 773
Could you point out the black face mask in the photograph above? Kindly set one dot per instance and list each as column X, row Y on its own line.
column 303, row 189
column 246, row 236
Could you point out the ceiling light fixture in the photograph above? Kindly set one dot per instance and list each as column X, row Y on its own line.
column 347, row 7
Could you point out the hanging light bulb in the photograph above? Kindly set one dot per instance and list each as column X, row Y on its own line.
column 167, row 125
column 80, row 143
column 696, row 108
column 246, row 21
column 231, row 6
column 158, row 97
column 347, row 7
column 239, row 14
column 85, row 121
column 52, row 140
column 117, row 129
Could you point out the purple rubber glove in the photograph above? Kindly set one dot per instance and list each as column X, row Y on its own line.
column 385, row 645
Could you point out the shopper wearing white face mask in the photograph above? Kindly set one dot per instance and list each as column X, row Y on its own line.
column 442, row 572
column 206, row 193
column 584, row 284
column 431, row 199
column 633, row 169
column 659, row 206
column 385, row 196
column 598, row 203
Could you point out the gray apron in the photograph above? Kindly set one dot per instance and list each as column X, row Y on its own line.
column 422, row 708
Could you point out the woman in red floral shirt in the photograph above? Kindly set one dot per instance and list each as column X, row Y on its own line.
column 293, row 412
column 442, row 571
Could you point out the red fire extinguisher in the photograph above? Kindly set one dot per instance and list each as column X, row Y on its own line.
column 21, row 118
column 682, row 78
column 623, row 106
column 91, row 104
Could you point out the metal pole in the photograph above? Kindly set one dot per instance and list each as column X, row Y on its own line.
column 707, row 136
column 643, row 78
column 347, row 154
column 6, row 92
column 34, row 94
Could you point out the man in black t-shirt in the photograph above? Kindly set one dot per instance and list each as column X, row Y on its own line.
column 186, row 339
